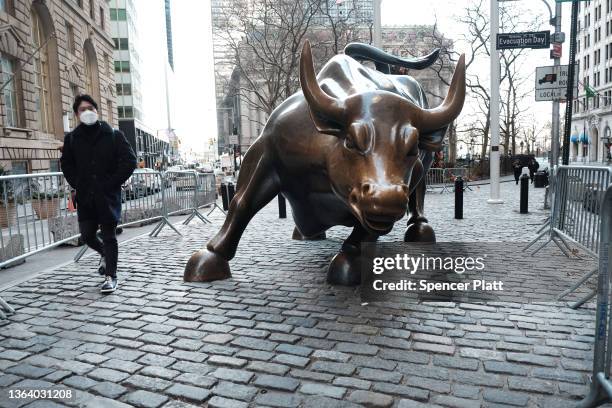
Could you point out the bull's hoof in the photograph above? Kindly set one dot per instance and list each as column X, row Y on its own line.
column 419, row 232
column 344, row 270
column 297, row 235
column 206, row 266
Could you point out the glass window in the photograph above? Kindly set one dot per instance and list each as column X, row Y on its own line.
column 70, row 38
column 109, row 106
column 125, row 66
column 42, row 97
column 10, row 93
column 102, row 19
column 54, row 165
column 118, row 15
column 121, row 43
column 92, row 10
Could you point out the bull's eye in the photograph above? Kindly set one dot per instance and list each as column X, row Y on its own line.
column 349, row 144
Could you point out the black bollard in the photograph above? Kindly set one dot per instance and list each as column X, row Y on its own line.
column 282, row 207
column 224, row 199
column 230, row 192
column 524, row 194
column 458, row 198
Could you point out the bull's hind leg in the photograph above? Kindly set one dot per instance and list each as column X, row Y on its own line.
column 344, row 267
column 257, row 185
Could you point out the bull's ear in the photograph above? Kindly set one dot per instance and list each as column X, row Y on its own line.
column 432, row 141
column 325, row 125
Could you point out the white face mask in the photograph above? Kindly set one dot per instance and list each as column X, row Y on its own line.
column 88, row 117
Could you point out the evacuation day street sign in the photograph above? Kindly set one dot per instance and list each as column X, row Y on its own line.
column 538, row 39
column 551, row 83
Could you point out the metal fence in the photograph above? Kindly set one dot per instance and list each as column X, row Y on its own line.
column 37, row 211
column 601, row 386
column 444, row 179
column 575, row 220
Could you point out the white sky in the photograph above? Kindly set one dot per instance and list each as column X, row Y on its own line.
column 193, row 83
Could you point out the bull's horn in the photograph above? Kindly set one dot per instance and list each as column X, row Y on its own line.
column 321, row 104
column 432, row 119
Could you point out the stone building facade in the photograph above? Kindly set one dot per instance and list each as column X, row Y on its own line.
column 50, row 51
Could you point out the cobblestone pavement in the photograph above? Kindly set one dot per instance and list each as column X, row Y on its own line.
column 277, row 335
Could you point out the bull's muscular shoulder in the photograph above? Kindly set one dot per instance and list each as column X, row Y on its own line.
column 343, row 76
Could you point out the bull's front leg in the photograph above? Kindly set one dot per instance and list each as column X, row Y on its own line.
column 418, row 229
column 257, row 185
column 344, row 268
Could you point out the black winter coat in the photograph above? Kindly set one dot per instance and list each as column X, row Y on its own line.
column 96, row 160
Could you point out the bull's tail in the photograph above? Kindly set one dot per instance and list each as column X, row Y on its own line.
column 383, row 60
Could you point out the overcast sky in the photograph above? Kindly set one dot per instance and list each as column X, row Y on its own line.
column 193, row 84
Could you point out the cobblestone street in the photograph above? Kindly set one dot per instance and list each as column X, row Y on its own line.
column 278, row 335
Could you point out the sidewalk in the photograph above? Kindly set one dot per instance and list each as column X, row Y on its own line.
column 277, row 334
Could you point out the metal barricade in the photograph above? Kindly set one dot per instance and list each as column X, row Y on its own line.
column 435, row 179
column 207, row 192
column 37, row 211
column 601, row 385
column 36, row 214
column 574, row 223
column 451, row 174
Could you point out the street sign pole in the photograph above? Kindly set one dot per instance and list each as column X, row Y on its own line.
column 556, row 120
column 570, row 84
column 494, row 108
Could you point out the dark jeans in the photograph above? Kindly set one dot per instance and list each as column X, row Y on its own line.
column 107, row 247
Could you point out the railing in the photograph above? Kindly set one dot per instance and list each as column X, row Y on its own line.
column 444, row 179
column 37, row 211
column 601, row 386
column 575, row 219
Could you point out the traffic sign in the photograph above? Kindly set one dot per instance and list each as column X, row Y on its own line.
column 534, row 40
column 551, row 83
column 233, row 139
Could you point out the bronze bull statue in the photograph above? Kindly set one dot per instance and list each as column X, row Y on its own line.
column 347, row 150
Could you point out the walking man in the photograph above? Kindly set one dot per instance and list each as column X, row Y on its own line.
column 96, row 160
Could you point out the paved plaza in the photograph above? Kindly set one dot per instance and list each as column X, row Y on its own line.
column 278, row 335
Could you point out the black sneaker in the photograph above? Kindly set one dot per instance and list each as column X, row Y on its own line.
column 102, row 267
column 109, row 285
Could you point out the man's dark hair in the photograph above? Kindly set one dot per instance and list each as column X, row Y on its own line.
column 83, row 98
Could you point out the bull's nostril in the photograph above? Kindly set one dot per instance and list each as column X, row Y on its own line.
column 365, row 188
column 353, row 198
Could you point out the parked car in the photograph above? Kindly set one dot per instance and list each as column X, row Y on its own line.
column 142, row 183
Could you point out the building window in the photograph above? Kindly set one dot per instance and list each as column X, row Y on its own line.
column 124, row 89
column 42, row 97
column 54, row 166
column 118, row 15
column 10, row 94
column 102, row 19
column 122, row 66
column 71, row 45
column 7, row 6
column 109, row 106
column 92, row 10
column 121, row 43
column 19, row 167
column 125, row 112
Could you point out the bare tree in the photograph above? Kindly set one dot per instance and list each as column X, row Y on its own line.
column 265, row 37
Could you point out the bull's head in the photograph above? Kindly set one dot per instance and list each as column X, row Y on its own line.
column 379, row 135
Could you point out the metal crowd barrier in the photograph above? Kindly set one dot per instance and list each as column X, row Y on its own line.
column 601, row 384
column 37, row 211
column 445, row 178
column 574, row 223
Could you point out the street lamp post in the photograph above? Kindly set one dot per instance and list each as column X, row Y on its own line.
column 495, row 78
